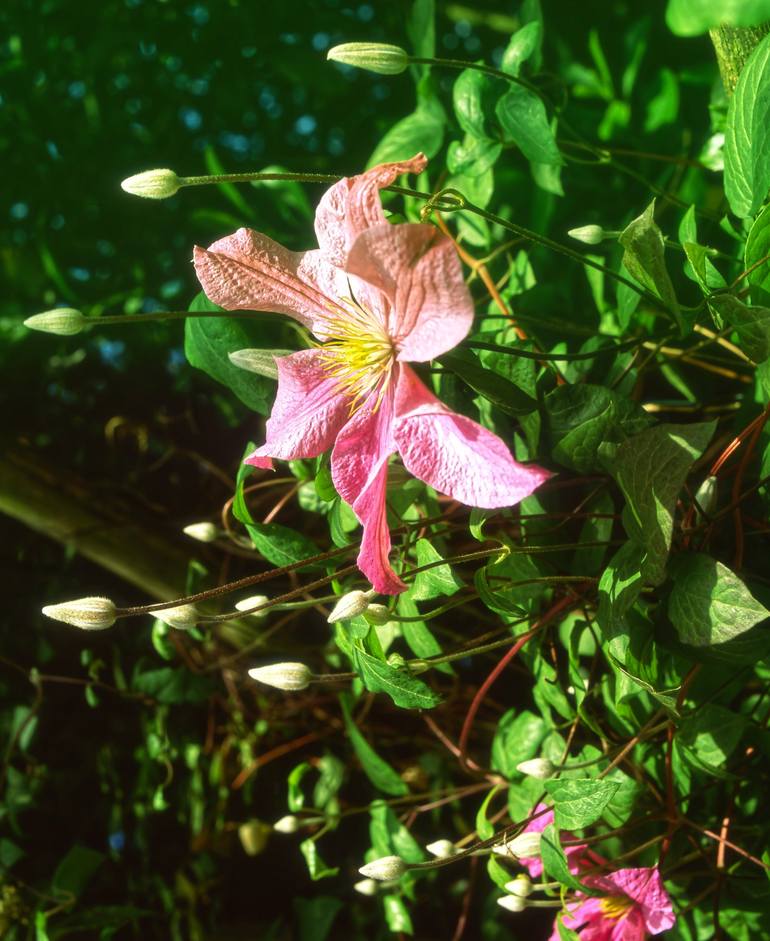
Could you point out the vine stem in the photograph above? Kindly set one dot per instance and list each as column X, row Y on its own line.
column 556, row 609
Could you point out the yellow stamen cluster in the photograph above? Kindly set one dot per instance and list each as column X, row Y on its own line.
column 358, row 352
column 615, row 906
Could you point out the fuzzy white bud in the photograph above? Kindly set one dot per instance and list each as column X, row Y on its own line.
column 441, row 849
column 380, row 57
column 520, row 886
column 287, row 676
column 384, row 869
column 350, row 605
column 524, row 846
column 203, row 532
column 253, row 601
column 90, row 614
column 367, row 887
column 512, row 903
column 588, row 234
column 182, row 617
column 261, row 362
column 378, row 614
column 540, row 768
column 287, row 824
column 152, row 184
column 254, row 835
column 63, row 321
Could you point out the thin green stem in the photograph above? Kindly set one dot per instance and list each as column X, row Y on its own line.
column 567, row 357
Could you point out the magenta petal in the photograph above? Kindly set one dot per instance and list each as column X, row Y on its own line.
column 307, row 414
column 455, row 455
column 645, row 887
column 353, row 205
column 360, row 470
column 418, row 270
column 249, row 271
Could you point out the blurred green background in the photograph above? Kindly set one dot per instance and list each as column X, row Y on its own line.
column 115, row 424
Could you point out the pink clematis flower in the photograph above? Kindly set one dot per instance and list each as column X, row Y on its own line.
column 377, row 296
column 534, row 864
column 635, row 906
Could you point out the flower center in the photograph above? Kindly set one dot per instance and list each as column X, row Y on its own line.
column 358, row 352
column 615, row 906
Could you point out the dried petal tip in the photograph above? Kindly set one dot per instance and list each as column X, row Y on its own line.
column 203, row 532
column 441, row 849
column 91, row 614
column 384, row 869
column 152, row 184
column 253, row 601
column 588, row 234
column 379, row 57
column 64, row 321
column 525, row 845
column 366, row 887
column 350, row 605
column 521, row 886
column 512, row 903
column 182, row 617
column 540, row 768
column 287, row 824
column 288, row 676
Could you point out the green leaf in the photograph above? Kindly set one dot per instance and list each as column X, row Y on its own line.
column 757, row 250
column 703, row 271
column 390, row 837
column 644, row 259
column 75, row 871
column 693, row 17
column 524, row 43
column 651, row 468
column 620, row 585
column 404, row 689
column 469, row 92
column 207, row 342
column 752, row 324
column 524, row 120
column 437, row 582
column 423, row 130
column 418, row 635
column 517, row 738
column 421, row 28
column 396, row 913
column 709, row 604
column 379, row 772
column 499, row 391
column 173, row 685
column 473, row 156
column 316, row 867
column 555, row 860
column 497, row 585
column 709, row 736
column 579, row 802
column 315, row 916
column 579, row 418
column 747, row 135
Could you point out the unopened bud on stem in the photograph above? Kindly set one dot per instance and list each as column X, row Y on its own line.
column 521, row 886
column 253, row 601
column 524, row 846
column 441, row 849
column 254, row 835
column 90, row 614
column 350, row 605
column 64, row 321
column 377, row 614
column 367, row 887
column 380, row 57
column 588, row 234
column 512, row 903
column 540, row 768
column 203, row 532
column 287, row 824
column 384, row 869
column 182, row 617
column 287, row 676
column 152, row 184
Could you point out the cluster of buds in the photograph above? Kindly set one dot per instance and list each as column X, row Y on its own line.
column 518, row 889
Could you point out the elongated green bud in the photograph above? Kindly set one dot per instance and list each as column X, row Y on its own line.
column 350, row 605
column 588, row 234
column 90, row 614
column 379, row 57
column 182, row 617
column 261, row 362
column 288, row 676
column 152, row 184
column 64, row 321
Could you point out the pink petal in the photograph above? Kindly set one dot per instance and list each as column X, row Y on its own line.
column 360, row 471
column 418, row 270
column 645, row 887
column 249, row 271
column 455, row 455
column 307, row 413
column 353, row 205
